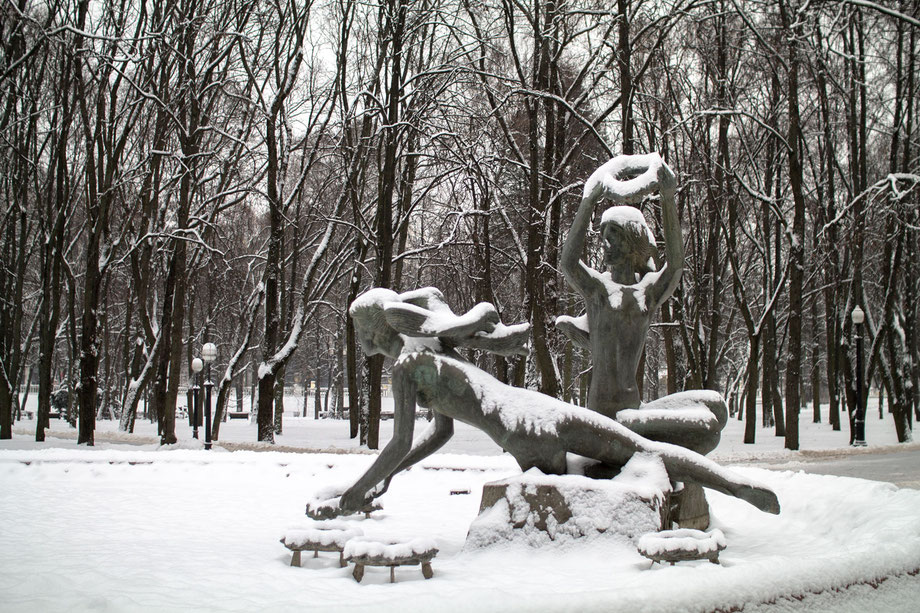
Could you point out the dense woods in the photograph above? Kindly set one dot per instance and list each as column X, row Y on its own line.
column 176, row 172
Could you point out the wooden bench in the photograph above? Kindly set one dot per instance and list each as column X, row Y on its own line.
column 366, row 552
column 238, row 414
column 322, row 538
column 681, row 545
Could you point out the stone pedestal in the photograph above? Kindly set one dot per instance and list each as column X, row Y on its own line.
column 688, row 507
column 537, row 509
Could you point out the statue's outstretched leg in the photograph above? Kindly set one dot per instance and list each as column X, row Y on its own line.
column 605, row 440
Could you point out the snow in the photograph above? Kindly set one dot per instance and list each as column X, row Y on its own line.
column 615, row 290
column 324, row 533
column 503, row 331
column 514, row 409
column 376, row 297
column 621, row 509
column 580, row 322
column 130, row 526
column 645, row 473
column 605, row 177
column 439, row 321
column 419, row 344
column 670, row 541
column 389, row 550
column 695, row 416
column 627, row 216
column 264, row 369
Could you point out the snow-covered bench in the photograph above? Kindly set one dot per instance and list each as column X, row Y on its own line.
column 367, row 552
column 322, row 538
column 681, row 545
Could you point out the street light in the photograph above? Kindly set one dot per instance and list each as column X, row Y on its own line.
column 208, row 354
column 859, row 440
column 195, row 412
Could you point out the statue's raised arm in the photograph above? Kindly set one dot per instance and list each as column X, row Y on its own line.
column 620, row 302
column 626, row 180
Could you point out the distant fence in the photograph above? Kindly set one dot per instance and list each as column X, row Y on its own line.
column 32, row 389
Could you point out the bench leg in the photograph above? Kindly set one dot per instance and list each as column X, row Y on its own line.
column 426, row 570
column 316, row 553
column 358, row 573
column 342, row 562
column 392, row 574
column 295, row 559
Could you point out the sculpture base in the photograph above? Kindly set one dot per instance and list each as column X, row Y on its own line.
column 537, row 509
column 688, row 507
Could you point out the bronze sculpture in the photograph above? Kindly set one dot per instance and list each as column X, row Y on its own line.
column 420, row 332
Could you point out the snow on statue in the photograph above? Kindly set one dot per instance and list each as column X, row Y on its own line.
column 420, row 331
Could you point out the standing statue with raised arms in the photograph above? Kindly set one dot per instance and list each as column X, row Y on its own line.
column 621, row 302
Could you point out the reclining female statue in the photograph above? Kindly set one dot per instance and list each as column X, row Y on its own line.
column 421, row 333
column 621, row 302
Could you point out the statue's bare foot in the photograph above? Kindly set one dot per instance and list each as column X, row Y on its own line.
column 326, row 509
column 760, row 497
column 340, row 506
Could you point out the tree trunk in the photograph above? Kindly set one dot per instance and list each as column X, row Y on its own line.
column 166, row 419
column 815, row 362
column 829, row 249
column 797, row 243
column 383, row 223
column 273, row 281
column 6, row 409
column 279, row 402
column 750, row 408
column 89, row 344
column 624, row 48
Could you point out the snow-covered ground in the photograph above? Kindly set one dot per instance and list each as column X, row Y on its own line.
column 128, row 526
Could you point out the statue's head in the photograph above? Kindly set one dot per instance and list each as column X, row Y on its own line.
column 386, row 321
column 374, row 333
column 629, row 244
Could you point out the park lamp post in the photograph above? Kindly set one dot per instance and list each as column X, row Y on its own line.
column 194, row 411
column 859, row 440
column 208, row 354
